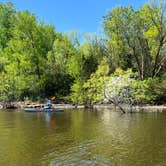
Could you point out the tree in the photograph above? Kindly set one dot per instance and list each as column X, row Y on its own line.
column 118, row 88
column 7, row 18
column 57, row 78
column 85, row 62
column 27, row 52
column 139, row 36
column 94, row 87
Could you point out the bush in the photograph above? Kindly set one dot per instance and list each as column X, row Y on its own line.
column 143, row 91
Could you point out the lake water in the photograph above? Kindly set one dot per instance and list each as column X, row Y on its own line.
column 81, row 137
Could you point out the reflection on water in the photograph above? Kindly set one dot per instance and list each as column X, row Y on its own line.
column 82, row 138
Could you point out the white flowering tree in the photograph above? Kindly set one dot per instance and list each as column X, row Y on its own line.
column 118, row 89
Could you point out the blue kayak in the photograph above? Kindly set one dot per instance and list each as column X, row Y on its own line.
column 42, row 110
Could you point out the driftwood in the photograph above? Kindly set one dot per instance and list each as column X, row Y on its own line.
column 117, row 105
column 9, row 105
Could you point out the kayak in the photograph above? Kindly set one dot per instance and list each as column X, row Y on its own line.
column 42, row 110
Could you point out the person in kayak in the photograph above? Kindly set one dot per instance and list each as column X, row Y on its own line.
column 48, row 105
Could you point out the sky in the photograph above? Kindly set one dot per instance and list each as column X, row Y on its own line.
column 84, row 16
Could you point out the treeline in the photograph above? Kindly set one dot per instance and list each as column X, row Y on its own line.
column 37, row 62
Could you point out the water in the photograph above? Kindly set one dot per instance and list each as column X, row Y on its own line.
column 83, row 138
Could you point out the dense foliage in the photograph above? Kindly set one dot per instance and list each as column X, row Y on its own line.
column 37, row 62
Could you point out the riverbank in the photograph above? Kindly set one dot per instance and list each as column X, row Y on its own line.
column 138, row 108
column 141, row 108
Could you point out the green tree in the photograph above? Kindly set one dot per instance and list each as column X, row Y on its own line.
column 27, row 52
column 137, row 38
column 57, row 78
column 85, row 62
column 7, row 18
column 94, row 87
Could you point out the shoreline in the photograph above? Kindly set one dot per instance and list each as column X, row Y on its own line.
column 136, row 108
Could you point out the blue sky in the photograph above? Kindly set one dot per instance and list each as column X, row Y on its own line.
column 82, row 15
